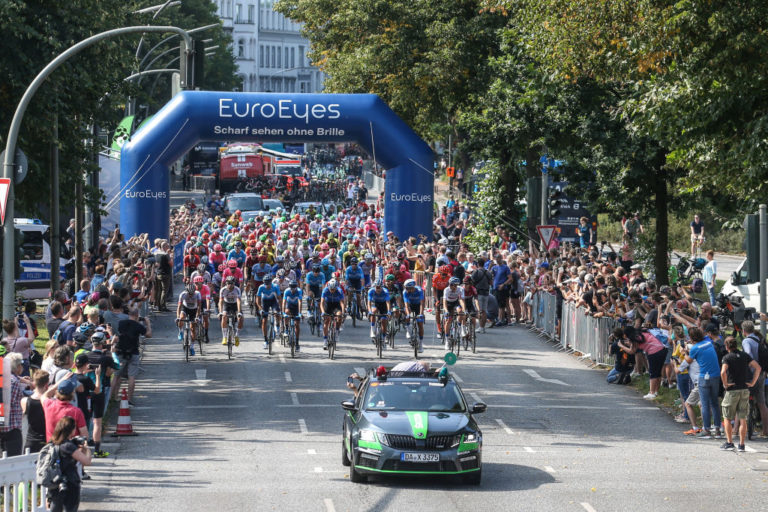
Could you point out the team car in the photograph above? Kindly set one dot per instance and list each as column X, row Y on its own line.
column 411, row 423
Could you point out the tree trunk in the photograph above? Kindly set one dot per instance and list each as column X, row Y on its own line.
column 661, row 263
column 533, row 170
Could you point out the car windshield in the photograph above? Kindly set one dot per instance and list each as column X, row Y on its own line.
column 302, row 208
column 413, row 396
column 244, row 203
column 288, row 170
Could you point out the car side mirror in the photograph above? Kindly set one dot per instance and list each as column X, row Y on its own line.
column 349, row 405
column 478, row 407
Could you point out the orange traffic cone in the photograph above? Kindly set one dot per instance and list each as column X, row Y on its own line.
column 124, row 426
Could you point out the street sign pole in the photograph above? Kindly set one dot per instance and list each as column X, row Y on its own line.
column 763, row 263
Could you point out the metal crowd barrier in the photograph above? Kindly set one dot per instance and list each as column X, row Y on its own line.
column 424, row 280
column 578, row 332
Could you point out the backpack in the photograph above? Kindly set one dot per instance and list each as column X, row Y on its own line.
column 697, row 285
column 762, row 352
column 48, row 470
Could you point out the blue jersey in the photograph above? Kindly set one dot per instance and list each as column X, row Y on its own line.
column 332, row 296
column 276, row 267
column 380, row 297
column 315, row 279
column 367, row 272
column 354, row 273
column 238, row 256
column 328, row 272
column 292, row 297
column 271, row 293
column 415, row 297
column 259, row 270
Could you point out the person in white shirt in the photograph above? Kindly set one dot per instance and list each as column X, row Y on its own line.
column 709, row 275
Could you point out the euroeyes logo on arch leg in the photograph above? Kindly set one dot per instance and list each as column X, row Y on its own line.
column 412, row 197
column 145, row 194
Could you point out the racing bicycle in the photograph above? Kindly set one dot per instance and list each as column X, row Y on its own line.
column 200, row 332
column 379, row 336
column 470, row 337
column 315, row 324
column 252, row 301
column 352, row 306
column 333, row 335
column 187, row 337
column 271, row 327
column 393, row 326
column 230, row 337
column 454, row 334
column 291, row 335
column 412, row 329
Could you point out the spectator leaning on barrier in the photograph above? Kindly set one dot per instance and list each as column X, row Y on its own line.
column 737, row 379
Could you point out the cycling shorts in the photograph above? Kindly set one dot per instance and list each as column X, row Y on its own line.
column 315, row 290
column 332, row 307
column 355, row 285
column 268, row 304
column 191, row 314
column 439, row 295
column 469, row 305
column 230, row 308
column 416, row 308
column 293, row 309
column 381, row 307
column 451, row 306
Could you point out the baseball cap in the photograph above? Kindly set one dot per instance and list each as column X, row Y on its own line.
column 68, row 386
column 81, row 359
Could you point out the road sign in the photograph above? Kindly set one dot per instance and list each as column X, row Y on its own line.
column 21, row 165
column 547, row 233
column 5, row 187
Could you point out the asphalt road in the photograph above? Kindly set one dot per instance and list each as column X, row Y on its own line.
column 264, row 433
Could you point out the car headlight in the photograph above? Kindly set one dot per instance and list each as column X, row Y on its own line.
column 368, row 435
column 471, row 438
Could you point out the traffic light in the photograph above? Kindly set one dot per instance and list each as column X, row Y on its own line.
column 553, row 203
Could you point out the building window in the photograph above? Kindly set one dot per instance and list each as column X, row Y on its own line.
column 261, row 55
column 293, row 55
column 241, row 48
column 301, row 57
column 274, row 53
column 279, row 52
column 239, row 13
column 251, row 12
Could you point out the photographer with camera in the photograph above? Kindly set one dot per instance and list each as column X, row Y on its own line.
column 71, row 450
column 128, row 332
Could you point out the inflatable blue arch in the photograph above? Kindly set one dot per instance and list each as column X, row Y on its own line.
column 194, row 116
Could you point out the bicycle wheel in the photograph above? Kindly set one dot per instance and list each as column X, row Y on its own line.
column 391, row 334
column 252, row 303
column 414, row 338
column 200, row 338
column 473, row 337
column 292, row 341
column 186, row 343
column 379, row 342
column 230, row 341
column 332, row 342
column 353, row 311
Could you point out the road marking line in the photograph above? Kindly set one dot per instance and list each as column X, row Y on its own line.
column 758, row 460
column 329, row 505
column 588, row 507
column 535, row 375
column 294, row 399
column 307, row 405
column 303, row 426
column 318, row 469
column 216, row 406
column 200, row 374
column 528, row 449
column 475, row 397
column 288, row 377
column 457, row 378
column 549, row 469
column 749, row 449
column 360, row 371
column 311, row 451
column 504, row 426
column 282, row 358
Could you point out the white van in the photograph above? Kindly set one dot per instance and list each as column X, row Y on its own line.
column 35, row 279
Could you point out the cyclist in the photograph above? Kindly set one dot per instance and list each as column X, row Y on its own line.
column 331, row 302
column 315, row 281
column 237, row 254
column 201, row 271
column 413, row 300
column 439, row 284
column 378, row 302
column 453, row 296
column 218, row 256
column 395, row 299
column 470, row 300
column 205, row 294
column 292, row 306
column 257, row 272
column 190, row 303
column 368, row 267
column 233, row 271
column 697, row 234
column 230, row 304
column 267, row 298
column 354, row 278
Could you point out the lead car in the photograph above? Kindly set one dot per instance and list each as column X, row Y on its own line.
column 411, row 423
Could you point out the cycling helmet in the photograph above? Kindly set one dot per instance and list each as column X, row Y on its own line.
column 238, row 212
column 325, row 262
column 445, row 269
column 276, row 283
column 454, row 280
column 221, row 268
column 316, row 268
column 280, row 259
column 191, row 288
column 201, row 267
column 230, row 280
column 467, row 280
column 98, row 337
column 378, row 283
column 293, row 284
column 368, row 256
column 281, row 273
column 232, row 263
column 389, row 277
column 86, row 328
column 332, row 284
column 198, row 279
column 410, row 283
column 268, row 278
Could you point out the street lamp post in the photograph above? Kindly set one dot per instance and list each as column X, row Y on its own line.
column 13, row 137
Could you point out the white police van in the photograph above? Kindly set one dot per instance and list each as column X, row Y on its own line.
column 34, row 282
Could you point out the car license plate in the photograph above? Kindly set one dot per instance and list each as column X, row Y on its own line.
column 420, row 457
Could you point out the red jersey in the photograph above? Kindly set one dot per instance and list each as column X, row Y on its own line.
column 236, row 272
column 217, row 258
column 191, row 261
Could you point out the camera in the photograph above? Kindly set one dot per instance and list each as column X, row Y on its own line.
column 79, row 440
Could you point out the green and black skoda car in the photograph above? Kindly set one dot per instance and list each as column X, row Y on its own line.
column 411, row 423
